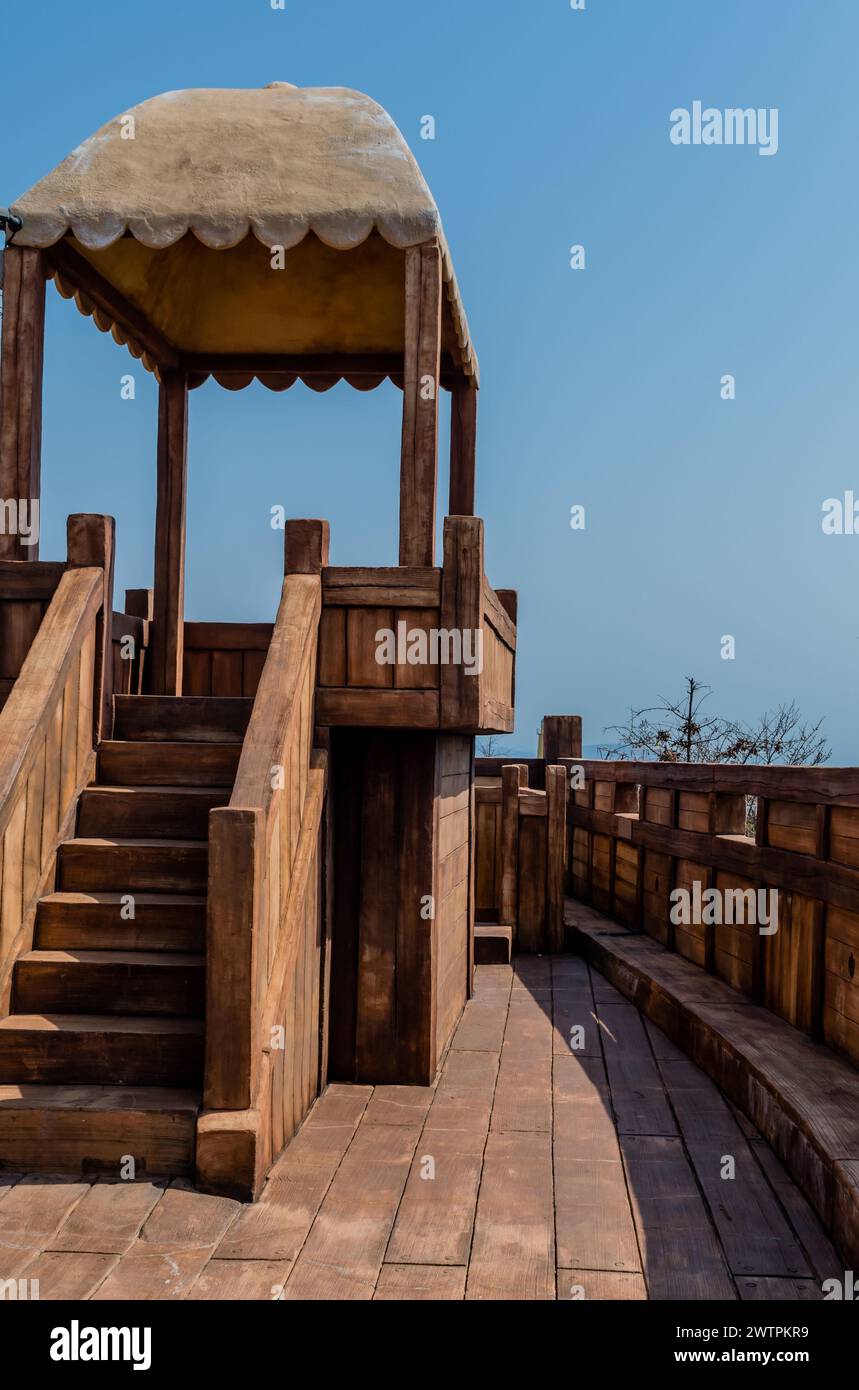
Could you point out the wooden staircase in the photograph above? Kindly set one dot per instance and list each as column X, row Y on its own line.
column 102, row 1054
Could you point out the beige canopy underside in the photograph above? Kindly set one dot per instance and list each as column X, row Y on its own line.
column 180, row 202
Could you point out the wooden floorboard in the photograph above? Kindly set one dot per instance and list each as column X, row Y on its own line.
column 567, row 1150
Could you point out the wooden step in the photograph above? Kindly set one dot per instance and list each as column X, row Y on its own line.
column 128, row 866
column 112, row 982
column 95, row 922
column 91, row 1129
column 493, row 945
column 142, row 764
column 98, row 1050
column 148, row 812
column 185, row 718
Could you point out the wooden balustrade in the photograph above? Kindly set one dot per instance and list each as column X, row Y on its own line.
column 49, row 726
column 521, row 851
column 224, row 658
column 267, row 940
column 468, row 631
column 130, row 639
column 639, row 830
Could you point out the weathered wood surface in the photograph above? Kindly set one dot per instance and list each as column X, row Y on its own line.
column 521, row 851
column 267, row 939
column 578, row 1194
column 640, row 830
column 169, row 585
column 463, row 679
column 801, row 1097
column 421, row 387
column 21, row 363
column 46, row 754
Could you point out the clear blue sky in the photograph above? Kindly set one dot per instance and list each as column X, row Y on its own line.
column 600, row 387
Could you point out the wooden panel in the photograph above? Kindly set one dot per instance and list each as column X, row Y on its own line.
column 844, row 835
column 691, row 941
column 792, row 826
column 656, row 889
column 693, row 811
column 841, row 983
column 601, row 859
column 792, row 962
column 332, row 647
column 735, row 946
column 532, row 885
column 362, row 668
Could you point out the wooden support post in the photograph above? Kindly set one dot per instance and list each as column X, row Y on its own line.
column 21, row 399
column 169, row 608
column 306, row 547
column 461, row 610
column 513, row 776
column 556, row 854
column 463, row 447
column 421, row 385
column 562, row 737
column 90, row 541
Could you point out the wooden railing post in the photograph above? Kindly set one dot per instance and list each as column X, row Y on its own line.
column 168, row 627
column 90, row 542
column 21, row 358
column 421, row 385
column 556, row 855
column 306, row 545
column 461, row 609
column 235, row 896
column 463, row 447
column 562, row 736
column 513, row 776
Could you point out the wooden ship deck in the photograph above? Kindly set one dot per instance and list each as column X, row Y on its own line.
column 298, row 998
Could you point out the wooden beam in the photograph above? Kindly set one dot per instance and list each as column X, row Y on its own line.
column 169, row 589
column 513, row 776
column 76, row 271
column 306, row 547
column 463, row 448
column 21, row 356
column 422, row 370
column 461, row 609
column 90, row 541
column 562, row 736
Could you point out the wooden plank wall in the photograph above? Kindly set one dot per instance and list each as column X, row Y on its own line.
column 639, row 830
column 454, row 925
column 26, row 589
column 224, row 658
column 521, row 851
column 356, row 689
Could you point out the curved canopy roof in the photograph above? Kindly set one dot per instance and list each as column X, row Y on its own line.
column 155, row 198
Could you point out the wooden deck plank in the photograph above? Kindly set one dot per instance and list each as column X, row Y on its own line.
column 276, row 1227
column 420, row 1283
column 597, row 1285
column 246, row 1280
column 70, row 1274
column 109, row 1218
column 436, row 1215
column 513, row 1254
column 343, row 1254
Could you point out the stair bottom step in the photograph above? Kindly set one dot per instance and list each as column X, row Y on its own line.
column 91, row 1130
column 493, row 945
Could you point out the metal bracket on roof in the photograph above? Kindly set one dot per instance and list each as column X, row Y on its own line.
column 10, row 222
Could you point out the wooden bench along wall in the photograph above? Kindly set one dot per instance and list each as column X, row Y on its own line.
column 637, row 830
column 50, row 724
column 267, row 948
column 521, row 843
